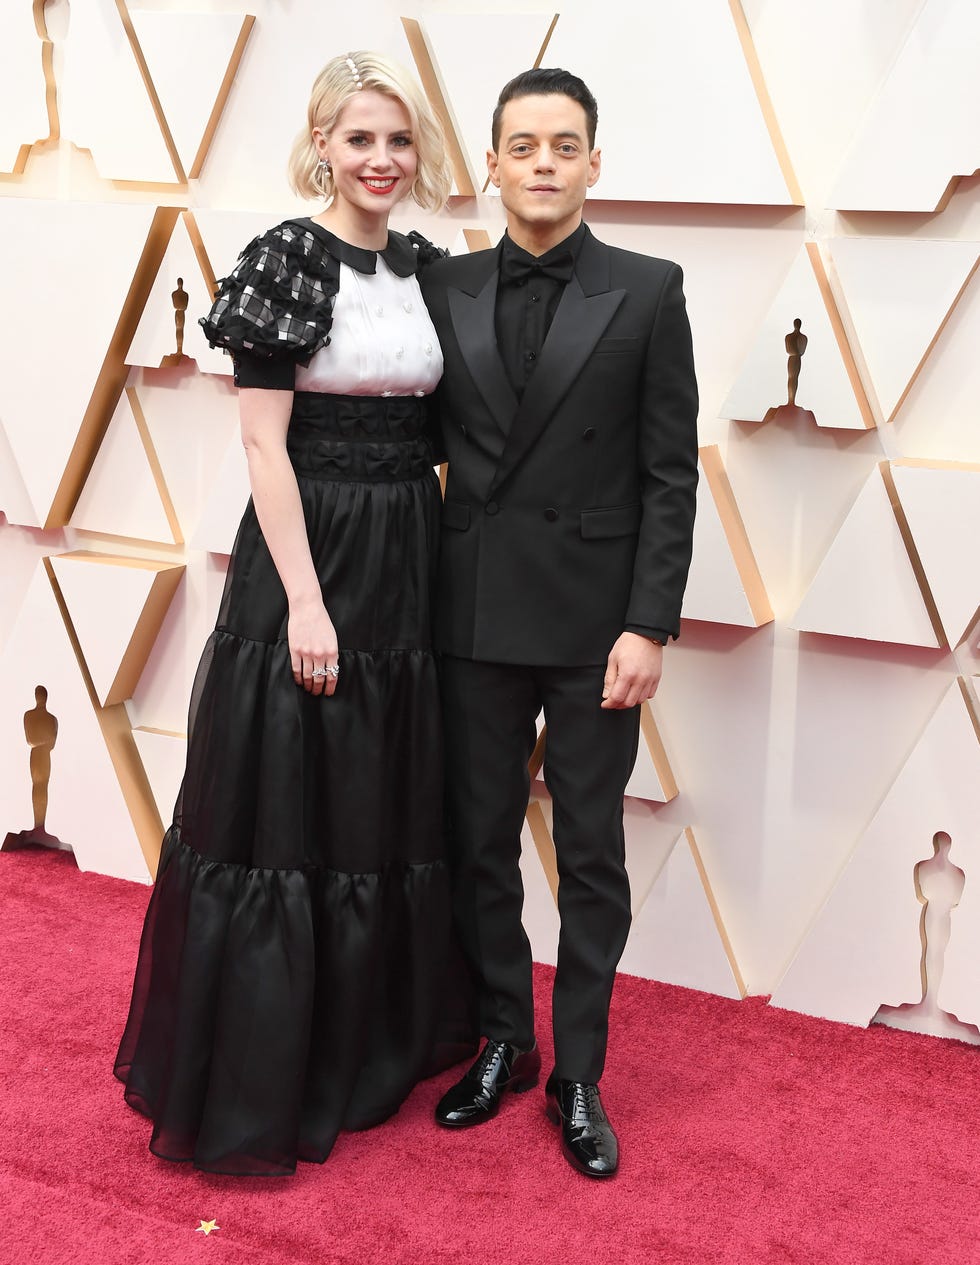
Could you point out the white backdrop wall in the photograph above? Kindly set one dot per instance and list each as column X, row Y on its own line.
column 817, row 723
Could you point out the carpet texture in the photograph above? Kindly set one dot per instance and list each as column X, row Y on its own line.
column 749, row 1135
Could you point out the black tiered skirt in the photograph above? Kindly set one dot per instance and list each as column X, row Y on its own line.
column 293, row 971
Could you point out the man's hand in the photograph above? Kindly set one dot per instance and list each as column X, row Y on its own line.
column 633, row 671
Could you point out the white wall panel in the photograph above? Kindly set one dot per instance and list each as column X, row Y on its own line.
column 54, row 340
column 86, row 808
column 920, row 131
column 899, row 294
column 867, row 586
column 105, row 106
column 700, row 134
column 23, row 114
column 864, row 948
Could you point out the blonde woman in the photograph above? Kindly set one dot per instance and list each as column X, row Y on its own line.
column 290, row 973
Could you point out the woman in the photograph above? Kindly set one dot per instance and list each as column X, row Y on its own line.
column 292, row 960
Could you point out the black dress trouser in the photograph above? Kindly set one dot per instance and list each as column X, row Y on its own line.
column 489, row 715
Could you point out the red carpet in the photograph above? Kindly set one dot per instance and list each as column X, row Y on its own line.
column 749, row 1135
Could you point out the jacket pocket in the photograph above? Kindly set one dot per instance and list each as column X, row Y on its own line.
column 616, row 344
column 619, row 520
column 455, row 515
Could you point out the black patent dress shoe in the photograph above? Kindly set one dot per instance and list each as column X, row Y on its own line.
column 587, row 1138
column 500, row 1067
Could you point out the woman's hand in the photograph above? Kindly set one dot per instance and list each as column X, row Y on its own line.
column 312, row 647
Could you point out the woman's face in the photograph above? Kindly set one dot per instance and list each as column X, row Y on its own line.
column 371, row 151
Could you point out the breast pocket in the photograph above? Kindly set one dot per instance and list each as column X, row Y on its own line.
column 616, row 346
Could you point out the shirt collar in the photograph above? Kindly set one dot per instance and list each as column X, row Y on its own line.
column 572, row 243
column 399, row 254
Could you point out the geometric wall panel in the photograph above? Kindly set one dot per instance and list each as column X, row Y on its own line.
column 702, row 128
column 86, row 807
column 920, row 132
column 959, row 992
column 105, row 105
column 163, row 755
column 218, row 525
column 123, row 494
column 864, row 949
column 823, row 64
column 156, row 338
column 938, row 418
column 61, row 366
column 652, row 777
column 15, row 503
column 23, row 112
column 899, row 293
column 866, row 585
column 942, row 507
column 508, row 43
column 116, row 607
column 678, row 935
column 190, row 420
column 828, row 383
column 192, row 59
column 724, row 585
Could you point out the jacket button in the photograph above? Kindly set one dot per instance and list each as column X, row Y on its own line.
column 589, row 435
column 551, row 514
column 491, row 508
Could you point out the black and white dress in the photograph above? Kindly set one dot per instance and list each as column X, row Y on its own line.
column 291, row 975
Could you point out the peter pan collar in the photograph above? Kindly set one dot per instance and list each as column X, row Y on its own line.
column 399, row 254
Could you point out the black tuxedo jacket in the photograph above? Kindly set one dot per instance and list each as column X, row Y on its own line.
column 568, row 515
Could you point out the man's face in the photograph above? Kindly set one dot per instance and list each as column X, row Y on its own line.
column 543, row 165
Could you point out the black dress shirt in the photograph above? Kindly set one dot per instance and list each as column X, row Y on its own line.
column 527, row 302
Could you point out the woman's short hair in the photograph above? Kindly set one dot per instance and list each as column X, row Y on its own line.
column 338, row 83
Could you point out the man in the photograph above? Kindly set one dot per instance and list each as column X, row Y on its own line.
column 568, row 408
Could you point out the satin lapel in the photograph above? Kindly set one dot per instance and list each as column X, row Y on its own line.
column 578, row 325
column 473, row 323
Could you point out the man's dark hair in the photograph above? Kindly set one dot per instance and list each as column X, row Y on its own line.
column 542, row 82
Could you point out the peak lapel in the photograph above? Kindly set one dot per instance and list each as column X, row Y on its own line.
column 578, row 324
column 473, row 324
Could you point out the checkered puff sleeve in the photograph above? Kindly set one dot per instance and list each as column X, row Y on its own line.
column 277, row 303
column 426, row 252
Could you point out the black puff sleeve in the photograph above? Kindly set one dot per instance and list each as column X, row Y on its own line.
column 275, row 309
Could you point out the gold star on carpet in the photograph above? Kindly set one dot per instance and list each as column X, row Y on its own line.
column 206, row 1227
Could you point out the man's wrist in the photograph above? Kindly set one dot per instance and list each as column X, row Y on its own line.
column 659, row 636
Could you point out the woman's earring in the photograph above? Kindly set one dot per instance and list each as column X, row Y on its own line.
column 324, row 166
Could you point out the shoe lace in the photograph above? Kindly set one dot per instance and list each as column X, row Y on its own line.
column 586, row 1096
column 585, row 1105
column 491, row 1052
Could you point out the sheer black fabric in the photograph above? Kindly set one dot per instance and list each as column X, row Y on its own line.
column 294, row 971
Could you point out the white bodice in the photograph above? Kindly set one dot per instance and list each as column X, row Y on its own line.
column 382, row 341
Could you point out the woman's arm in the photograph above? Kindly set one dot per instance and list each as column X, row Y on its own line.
column 312, row 638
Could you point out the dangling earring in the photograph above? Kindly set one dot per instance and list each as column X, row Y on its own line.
column 324, row 165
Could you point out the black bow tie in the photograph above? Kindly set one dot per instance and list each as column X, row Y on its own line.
column 517, row 268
